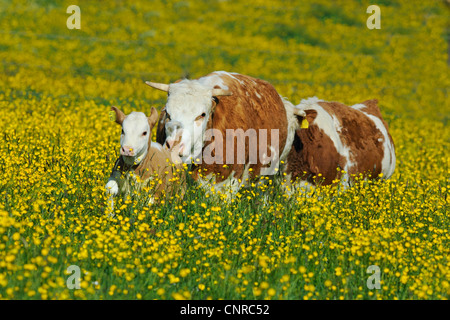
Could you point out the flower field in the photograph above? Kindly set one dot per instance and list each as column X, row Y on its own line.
column 58, row 148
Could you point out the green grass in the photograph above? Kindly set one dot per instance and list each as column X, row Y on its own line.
column 56, row 88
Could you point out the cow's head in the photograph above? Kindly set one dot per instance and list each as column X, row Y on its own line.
column 136, row 133
column 189, row 106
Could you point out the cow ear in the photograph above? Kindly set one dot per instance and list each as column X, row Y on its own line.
column 161, row 128
column 120, row 116
column 153, row 118
column 311, row 115
column 305, row 117
column 221, row 92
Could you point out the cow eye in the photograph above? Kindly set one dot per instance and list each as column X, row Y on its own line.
column 144, row 133
column 200, row 116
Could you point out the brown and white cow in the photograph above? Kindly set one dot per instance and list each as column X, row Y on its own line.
column 141, row 160
column 338, row 142
column 208, row 120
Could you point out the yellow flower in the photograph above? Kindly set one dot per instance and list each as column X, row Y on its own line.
column 178, row 296
column 160, row 291
column 184, row 272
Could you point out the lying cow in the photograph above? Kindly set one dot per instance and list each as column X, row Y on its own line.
column 141, row 159
column 338, row 142
column 208, row 120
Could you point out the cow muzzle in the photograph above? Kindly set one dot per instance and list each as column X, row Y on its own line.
column 127, row 151
column 175, row 146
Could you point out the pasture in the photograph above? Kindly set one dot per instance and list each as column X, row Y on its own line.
column 59, row 146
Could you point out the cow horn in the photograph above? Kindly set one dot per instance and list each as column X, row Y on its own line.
column 159, row 86
column 221, row 92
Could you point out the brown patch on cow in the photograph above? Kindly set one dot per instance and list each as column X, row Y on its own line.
column 314, row 153
column 244, row 110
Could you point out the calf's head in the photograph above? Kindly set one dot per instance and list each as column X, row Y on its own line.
column 189, row 107
column 136, row 134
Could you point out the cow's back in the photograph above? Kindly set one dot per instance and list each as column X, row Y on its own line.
column 341, row 141
column 255, row 104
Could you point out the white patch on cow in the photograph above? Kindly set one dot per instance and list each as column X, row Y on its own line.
column 389, row 159
column 359, row 106
column 229, row 74
column 157, row 146
column 215, row 79
column 292, row 127
column 337, row 124
column 308, row 102
column 258, row 95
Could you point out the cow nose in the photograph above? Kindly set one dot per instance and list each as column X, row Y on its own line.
column 180, row 150
column 126, row 151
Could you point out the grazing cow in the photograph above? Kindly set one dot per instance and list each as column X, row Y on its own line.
column 140, row 159
column 207, row 120
column 338, row 142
